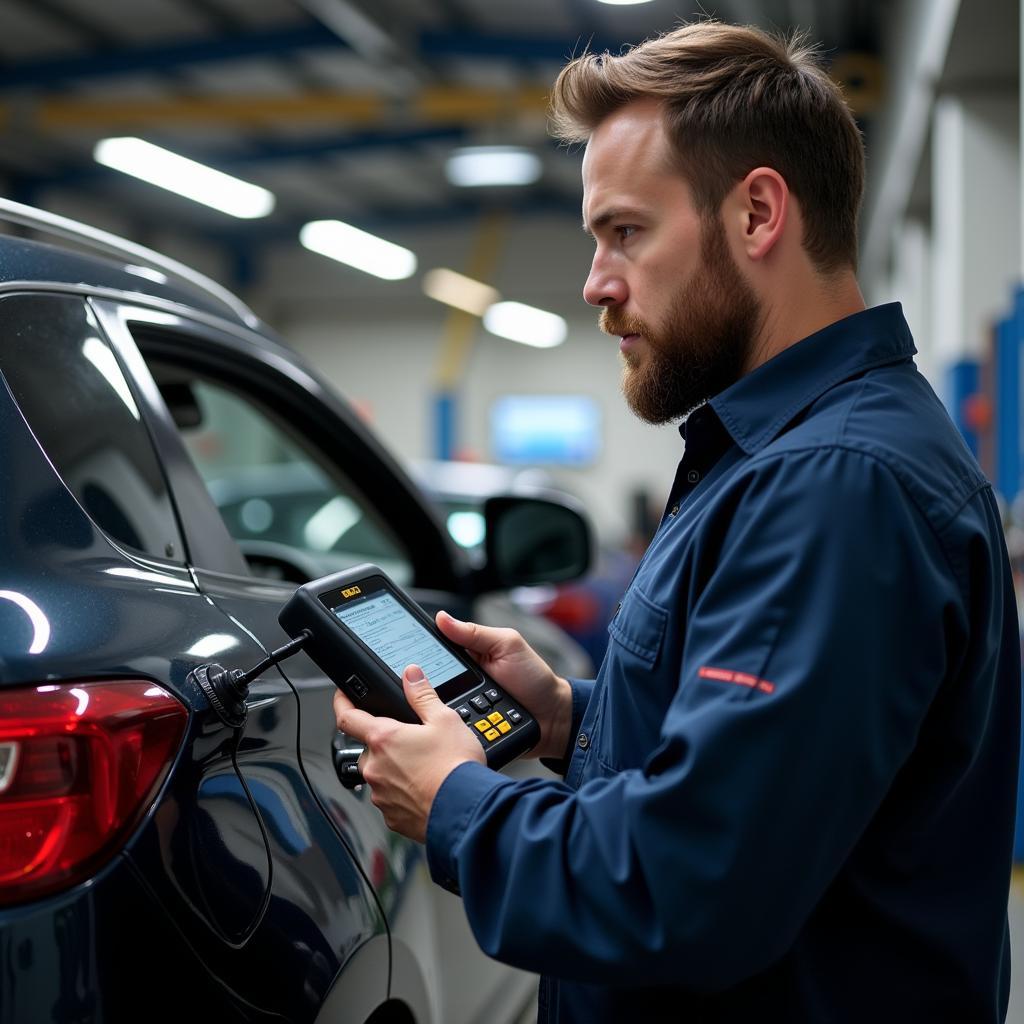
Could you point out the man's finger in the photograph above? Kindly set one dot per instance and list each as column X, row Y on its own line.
column 465, row 634
column 355, row 723
column 422, row 697
column 342, row 702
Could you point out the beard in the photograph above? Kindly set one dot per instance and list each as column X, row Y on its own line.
column 703, row 344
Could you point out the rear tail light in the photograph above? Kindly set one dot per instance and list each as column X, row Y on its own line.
column 79, row 765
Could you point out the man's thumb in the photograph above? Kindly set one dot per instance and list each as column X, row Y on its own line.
column 422, row 697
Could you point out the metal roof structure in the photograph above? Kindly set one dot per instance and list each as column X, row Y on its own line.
column 342, row 108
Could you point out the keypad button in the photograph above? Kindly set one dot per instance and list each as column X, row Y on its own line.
column 514, row 716
column 481, row 703
column 464, row 713
column 491, row 735
column 495, row 717
column 493, row 695
column 483, row 725
column 504, row 727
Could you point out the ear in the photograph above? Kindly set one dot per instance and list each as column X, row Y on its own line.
column 764, row 201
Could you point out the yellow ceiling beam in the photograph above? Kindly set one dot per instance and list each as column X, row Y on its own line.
column 434, row 104
column 440, row 104
column 242, row 110
column 461, row 328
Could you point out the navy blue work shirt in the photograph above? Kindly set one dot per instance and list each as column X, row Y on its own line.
column 791, row 788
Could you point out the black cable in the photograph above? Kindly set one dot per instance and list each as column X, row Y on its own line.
column 274, row 657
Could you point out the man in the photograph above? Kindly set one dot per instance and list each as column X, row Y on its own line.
column 789, row 794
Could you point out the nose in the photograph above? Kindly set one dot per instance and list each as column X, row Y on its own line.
column 604, row 287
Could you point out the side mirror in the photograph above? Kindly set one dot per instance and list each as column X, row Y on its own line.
column 534, row 540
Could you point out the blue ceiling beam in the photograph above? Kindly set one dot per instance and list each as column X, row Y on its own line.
column 60, row 71
column 519, row 48
column 306, row 149
column 56, row 71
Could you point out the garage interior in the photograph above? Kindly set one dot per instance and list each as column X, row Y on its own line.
column 358, row 111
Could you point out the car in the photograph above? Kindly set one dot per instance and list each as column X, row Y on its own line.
column 577, row 612
column 461, row 491
column 159, row 860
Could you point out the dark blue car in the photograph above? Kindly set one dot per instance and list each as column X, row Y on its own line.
column 155, row 862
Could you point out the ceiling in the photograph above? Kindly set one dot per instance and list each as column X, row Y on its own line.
column 343, row 108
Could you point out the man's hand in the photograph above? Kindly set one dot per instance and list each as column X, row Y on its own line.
column 404, row 765
column 508, row 659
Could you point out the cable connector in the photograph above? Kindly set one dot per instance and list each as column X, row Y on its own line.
column 227, row 689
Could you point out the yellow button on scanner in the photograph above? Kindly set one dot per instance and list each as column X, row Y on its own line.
column 483, row 725
column 495, row 717
column 491, row 734
column 504, row 727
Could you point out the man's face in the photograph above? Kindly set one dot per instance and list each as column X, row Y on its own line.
column 668, row 286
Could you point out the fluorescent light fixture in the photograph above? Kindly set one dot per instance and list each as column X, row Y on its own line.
column 525, row 324
column 624, row 3
column 459, row 291
column 346, row 244
column 492, row 165
column 187, row 178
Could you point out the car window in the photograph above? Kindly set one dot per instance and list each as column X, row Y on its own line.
column 276, row 498
column 72, row 391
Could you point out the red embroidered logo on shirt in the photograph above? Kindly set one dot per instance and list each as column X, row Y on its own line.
column 741, row 678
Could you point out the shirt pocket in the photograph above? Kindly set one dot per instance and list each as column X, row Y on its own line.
column 633, row 691
column 639, row 626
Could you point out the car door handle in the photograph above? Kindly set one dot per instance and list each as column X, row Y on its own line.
column 346, row 762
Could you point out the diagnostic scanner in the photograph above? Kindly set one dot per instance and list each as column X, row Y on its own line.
column 363, row 630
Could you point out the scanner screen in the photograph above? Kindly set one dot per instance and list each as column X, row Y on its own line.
column 398, row 639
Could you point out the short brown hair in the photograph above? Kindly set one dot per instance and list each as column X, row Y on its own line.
column 735, row 98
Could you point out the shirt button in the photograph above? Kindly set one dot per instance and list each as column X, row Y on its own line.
column 583, row 742
column 673, row 510
column 693, row 476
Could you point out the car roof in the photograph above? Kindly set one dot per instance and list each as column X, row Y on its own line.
column 32, row 262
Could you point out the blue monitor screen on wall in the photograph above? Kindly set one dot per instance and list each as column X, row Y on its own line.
column 563, row 430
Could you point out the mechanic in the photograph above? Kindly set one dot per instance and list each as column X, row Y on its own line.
column 789, row 795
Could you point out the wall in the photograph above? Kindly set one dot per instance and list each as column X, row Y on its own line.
column 380, row 343
column 387, row 365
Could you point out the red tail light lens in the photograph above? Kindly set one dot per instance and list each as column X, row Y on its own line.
column 79, row 765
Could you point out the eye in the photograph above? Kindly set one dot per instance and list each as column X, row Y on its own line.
column 624, row 231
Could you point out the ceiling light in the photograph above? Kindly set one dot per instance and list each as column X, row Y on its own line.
column 492, row 165
column 624, row 3
column 526, row 324
column 359, row 249
column 459, row 291
column 187, row 178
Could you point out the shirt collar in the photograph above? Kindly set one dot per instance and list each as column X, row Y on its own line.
column 759, row 405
